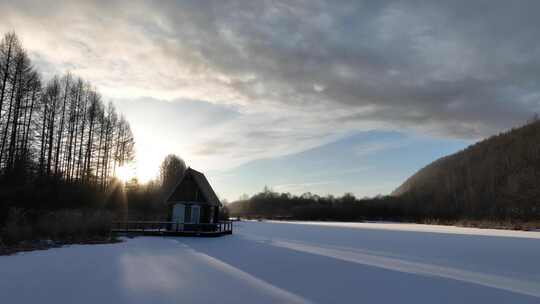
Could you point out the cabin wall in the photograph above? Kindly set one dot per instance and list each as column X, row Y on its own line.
column 205, row 212
column 216, row 214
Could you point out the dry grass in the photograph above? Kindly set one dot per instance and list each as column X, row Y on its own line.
column 65, row 225
column 489, row 224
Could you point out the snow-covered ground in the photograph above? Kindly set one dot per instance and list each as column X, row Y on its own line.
column 270, row 262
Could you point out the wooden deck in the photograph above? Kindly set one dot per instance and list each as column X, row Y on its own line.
column 172, row 229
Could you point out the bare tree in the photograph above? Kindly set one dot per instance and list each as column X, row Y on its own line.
column 61, row 130
column 171, row 170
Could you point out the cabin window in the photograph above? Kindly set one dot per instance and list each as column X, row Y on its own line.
column 178, row 215
column 195, row 214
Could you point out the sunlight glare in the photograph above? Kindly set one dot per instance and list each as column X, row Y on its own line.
column 125, row 173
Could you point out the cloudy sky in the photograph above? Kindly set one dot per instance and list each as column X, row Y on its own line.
column 321, row 96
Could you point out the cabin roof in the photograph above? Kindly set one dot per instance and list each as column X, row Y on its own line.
column 201, row 182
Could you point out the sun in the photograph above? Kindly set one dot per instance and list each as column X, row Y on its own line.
column 125, row 173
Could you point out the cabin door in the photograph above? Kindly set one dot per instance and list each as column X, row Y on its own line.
column 195, row 214
column 178, row 216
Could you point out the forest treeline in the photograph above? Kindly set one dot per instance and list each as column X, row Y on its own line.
column 60, row 143
column 269, row 204
column 60, row 128
column 494, row 180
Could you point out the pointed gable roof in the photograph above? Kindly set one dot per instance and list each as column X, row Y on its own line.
column 193, row 177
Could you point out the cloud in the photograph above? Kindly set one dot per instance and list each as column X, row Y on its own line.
column 299, row 74
column 215, row 148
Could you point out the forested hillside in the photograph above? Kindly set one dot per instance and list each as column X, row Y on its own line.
column 497, row 177
column 493, row 181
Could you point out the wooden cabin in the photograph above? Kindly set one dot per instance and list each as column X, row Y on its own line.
column 193, row 202
column 193, row 210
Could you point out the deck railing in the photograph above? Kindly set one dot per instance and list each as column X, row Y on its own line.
column 225, row 226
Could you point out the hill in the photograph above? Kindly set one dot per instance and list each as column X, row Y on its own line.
column 496, row 178
column 493, row 182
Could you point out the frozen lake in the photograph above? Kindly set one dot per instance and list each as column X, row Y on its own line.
column 268, row 262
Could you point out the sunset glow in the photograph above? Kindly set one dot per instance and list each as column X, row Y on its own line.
column 125, row 173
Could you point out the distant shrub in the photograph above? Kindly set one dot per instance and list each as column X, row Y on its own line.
column 224, row 213
column 74, row 224
column 16, row 228
column 62, row 225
